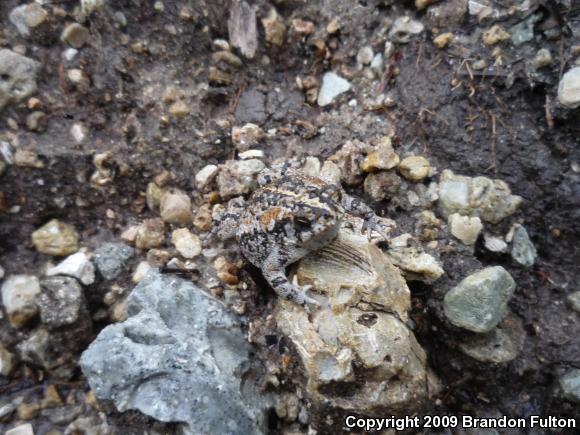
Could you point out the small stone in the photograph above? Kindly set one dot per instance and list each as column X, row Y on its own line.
column 479, row 302
column 187, row 244
column 69, row 54
column 77, row 76
column 27, row 411
column 333, row 26
column 246, row 137
column 543, row 58
column 19, row 293
column 75, row 35
column 206, row 176
column 381, row 158
column 227, row 58
column 332, row 86
column 573, row 301
column 158, row 257
column 7, row 362
column 465, row 228
column 238, row 177
column 37, row 349
column 56, row 238
column 27, row 159
column 311, row 167
column 569, row 89
column 78, row 132
column 1, row 272
column 111, row 258
column 23, row 429
column 203, row 218
column 414, row 168
column 221, row 45
column 330, row 172
column 61, row 302
column 227, row 272
column 140, row 271
column 570, row 385
column 153, row 196
column 422, row 4
column 274, row 28
column 36, row 121
column 150, row 234
column 302, row 27
column 179, row 109
column 495, row 35
column 494, row 244
column 523, row 250
column 382, row 185
column 175, row 208
column 365, row 55
column 251, row 154
column 51, row 398
column 130, row 234
column 78, row 266
column 404, row 28
column 443, row 40
column 28, row 17
column 17, row 77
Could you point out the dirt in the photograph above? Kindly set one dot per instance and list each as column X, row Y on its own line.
column 492, row 124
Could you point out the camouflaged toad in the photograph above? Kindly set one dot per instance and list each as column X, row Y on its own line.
column 285, row 219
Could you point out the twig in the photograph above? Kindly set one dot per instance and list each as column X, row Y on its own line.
column 493, row 143
column 549, row 118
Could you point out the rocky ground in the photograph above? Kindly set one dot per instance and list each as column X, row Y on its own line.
column 124, row 126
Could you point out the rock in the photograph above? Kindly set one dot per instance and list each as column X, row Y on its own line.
column 465, row 228
column 568, row 89
column 479, row 302
column 27, row 411
column 495, row 35
column 150, row 234
column 242, row 28
column 246, row 137
column 361, row 335
column 238, row 177
column 17, row 77
column 7, row 362
column 62, row 415
column 140, row 271
column 332, row 86
column 38, row 350
column 494, row 244
column 1, row 272
column 365, row 55
column 415, row 168
column 61, row 301
column 330, row 173
column 205, row 176
column 447, row 14
column 91, row 425
column 187, row 244
column 274, row 28
column 22, row 429
column 78, row 266
column 570, row 386
column 491, row 200
column 51, row 398
column 382, row 185
column 56, row 238
column 175, row 208
column 19, row 293
column 203, row 218
column 573, row 301
column 502, row 344
column 111, row 258
column 302, row 27
column 36, row 121
column 28, row 17
column 179, row 109
column 543, row 58
column 27, row 159
column 76, row 35
column 383, row 157
column 348, row 159
column 422, row 4
column 153, row 196
column 523, row 250
column 179, row 357
column 417, row 265
column 443, row 40
column 404, row 28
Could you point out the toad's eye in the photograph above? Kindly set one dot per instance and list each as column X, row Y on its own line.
column 302, row 223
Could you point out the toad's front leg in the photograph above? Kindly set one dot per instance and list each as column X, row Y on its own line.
column 274, row 270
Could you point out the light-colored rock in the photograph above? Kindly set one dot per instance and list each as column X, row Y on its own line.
column 443, row 40
column 382, row 157
column 570, row 385
column 1, row 272
column 78, row 266
column 153, row 196
column 19, row 294
column 415, row 168
column 140, row 271
column 569, row 88
column 573, row 301
column 479, row 302
column 502, row 344
column 543, row 58
column 495, row 35
column 17, row 77
column 332, row 86
column 175, row 208
column 75, row 35
column 61, row 302
column 365, row 55
column 111, row 258
column 367, row 304
column 7, row 362
column 238, row 177
column 27, row 159
column 422, row 4
column 248, row 136
column 187, row 244
column 78, row 132
column 404, row 28
column 242, row 28
column 465, row 228
column 523, row 250
column 494, row 244
column 56, row 238
column 416, row 264
column 274, row 28
column 184, row 353
column 330, row 172
column 28, row 17
column 179, row 109
column 311, row 166
column 491, row 200
column 150, row 234
column 205, row 176
column 22, row 429
column 382, row 185
column 348, row 159
column 37, row 349
column 251, row 154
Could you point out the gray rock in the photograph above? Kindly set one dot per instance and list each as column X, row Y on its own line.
column 17, row 77
column 502, row 344
column 523, row 250
column 404, row 28
column 242, row 28
column 27, row 17
column 61, row 301
column 62, row 415
column 570, row 385
column 573, row 301
column 111, row 258
column 251, row 107
column 332, row 86
column 479, row 302
column 569, row 89
column 38, row 350
column 177, row 358
column 6, row 410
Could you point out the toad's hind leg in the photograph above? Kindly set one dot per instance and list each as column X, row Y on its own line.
column 273, row 270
